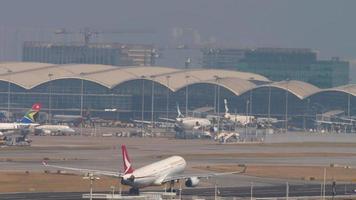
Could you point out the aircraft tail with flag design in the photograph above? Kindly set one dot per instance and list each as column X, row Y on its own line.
column 128, row 169
column 31, row 115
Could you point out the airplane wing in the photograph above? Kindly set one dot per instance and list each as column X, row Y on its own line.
column 168, row 120
column 215, row 116
column 149, row 122
column 85, row 171
column 330, row 122
column 142, row 121
column 200, row 176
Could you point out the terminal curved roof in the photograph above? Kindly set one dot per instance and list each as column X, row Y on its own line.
column 179, row 79
column 30, row 74
column 300, row 89
column 235, row 85
column 348, row 89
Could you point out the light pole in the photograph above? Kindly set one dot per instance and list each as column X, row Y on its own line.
column 92, row 178
column 251, row 192
column 81, row 93
column 247, row 106
column 143, row 102
column 348, row 105
column 167, row 100
column 250, row 112
column 269, row 105
column 217, row 78
column 9, row 91
column 287, row 191
column 215, row 99
column 152, row 101
column 324, row 183
column 50, row 98
column 81, row 101
column 186, row 94
column 286, row 114
column 180, row 190
column 112, row 191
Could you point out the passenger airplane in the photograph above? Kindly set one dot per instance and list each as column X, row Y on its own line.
column 27, row 121
column 49, row 128
column 187, row 123
column 190, row 123
column 169, row 170
column 243, row 119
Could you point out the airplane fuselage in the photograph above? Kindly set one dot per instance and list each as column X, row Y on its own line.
column 155, row 173
column 243, row 119
column 193, row 122
column 7, row 128
column 55, row 128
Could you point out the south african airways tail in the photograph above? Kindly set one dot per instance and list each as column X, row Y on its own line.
column 31, row 115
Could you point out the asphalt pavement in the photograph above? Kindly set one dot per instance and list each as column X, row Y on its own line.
column 257, row 192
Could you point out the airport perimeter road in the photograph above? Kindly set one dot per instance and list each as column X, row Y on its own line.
column 43, row 196
column 272, row 191
column 269, row 191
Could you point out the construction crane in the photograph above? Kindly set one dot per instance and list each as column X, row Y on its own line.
column 88, row 33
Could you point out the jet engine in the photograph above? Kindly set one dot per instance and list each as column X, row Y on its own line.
column 128, row 181
column 192, row 182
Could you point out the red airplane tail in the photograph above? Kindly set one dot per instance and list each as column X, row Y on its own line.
column 128, row 169
column 36, row 107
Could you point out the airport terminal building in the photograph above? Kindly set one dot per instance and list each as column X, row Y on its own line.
column 125, row 93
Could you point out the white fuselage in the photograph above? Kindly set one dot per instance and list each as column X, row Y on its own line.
column 243, row 119
column 193, row 122
column 155, row 173
column 8, row 127
column 55, row 128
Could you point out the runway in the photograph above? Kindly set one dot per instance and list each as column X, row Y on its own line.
column 257, row 192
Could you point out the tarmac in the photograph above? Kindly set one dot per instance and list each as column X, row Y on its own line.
column 271, row 192
column 103, row 153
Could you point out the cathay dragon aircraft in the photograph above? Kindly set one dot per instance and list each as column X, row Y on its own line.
column 169, row 170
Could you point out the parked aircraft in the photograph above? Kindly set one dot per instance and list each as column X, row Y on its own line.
column 169, row 170
column 242, row 119
column 189, row 123
column 181, row 122
column 57, row 129
column 27, row 121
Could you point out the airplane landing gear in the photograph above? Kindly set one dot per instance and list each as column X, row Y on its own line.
column 172, row 190
column 134, row 191
column 171, row 187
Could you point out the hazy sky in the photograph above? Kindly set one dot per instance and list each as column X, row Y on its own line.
column 325, row 25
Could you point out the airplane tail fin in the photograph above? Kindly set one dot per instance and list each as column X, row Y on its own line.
column 226, row 108
column 179, row 113
column 31, row 115
column 128, row 169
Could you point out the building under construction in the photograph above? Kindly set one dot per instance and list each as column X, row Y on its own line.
column 92, row 53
